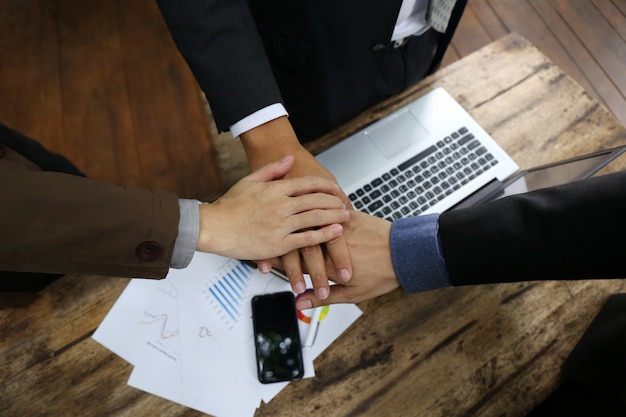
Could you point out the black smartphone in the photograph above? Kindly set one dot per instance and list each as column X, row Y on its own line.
column 277, row 337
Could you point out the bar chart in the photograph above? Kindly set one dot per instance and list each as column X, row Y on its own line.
column 225, row 291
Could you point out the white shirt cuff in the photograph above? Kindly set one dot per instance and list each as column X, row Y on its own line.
column 188, row 232
column 259, row 117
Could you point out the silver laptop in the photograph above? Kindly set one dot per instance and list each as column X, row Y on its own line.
column 427, row 157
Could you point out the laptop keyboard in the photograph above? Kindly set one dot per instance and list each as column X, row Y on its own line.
column 426, row 178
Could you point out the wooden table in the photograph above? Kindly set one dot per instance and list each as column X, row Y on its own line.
column 485, row 350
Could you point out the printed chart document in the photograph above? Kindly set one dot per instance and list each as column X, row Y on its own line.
column 142, row 328
column 190, row 337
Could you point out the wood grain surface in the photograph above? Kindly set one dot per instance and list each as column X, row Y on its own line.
column 486, row 350
column 103, row 83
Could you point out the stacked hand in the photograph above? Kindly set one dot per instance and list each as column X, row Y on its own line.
column 367, row 238
column 361, row 249
column 260, row 218
column 264, row 144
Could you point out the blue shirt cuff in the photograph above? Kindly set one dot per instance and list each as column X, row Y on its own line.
column 416, row 253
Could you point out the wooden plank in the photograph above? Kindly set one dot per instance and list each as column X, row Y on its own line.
column 525, row 18
column 604, row 44
column 67, row 311
column 569, row 320
column 489, row 18
column 30, row 89
column 470, row 35
column 581, row 65
column 616, row 17
column 103, row 84
column 599, row 38
column 591, row 75
column 484, row 21
column 86, row 361
column 450, row 56
column 620, row 4
column 542, row 87
column 95, row 99
column 160, row 82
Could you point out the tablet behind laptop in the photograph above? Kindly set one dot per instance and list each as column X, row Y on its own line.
column 543, row 176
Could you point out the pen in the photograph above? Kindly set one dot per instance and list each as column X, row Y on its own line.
column 313, row 326
column 279, row 274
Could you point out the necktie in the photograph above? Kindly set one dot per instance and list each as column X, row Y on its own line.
column 438, row 14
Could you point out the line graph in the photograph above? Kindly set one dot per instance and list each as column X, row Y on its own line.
column 165, row 332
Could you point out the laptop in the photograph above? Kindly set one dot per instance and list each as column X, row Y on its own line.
column 431, row 156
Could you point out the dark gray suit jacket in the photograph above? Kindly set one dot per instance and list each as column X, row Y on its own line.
column 572, row 231
column 321, row 56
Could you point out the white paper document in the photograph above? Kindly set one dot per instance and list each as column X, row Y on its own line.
column 190, row 336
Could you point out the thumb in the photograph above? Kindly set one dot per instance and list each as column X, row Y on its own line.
column 273, row 170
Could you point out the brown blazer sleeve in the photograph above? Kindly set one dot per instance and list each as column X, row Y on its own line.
column 60, row 223
column 572, row 231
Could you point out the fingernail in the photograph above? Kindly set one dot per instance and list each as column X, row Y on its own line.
column 322, row 293
column 304, row 304
column 285, row 158
column 299, row 287
column 264, row 268
column 337, row 229
column 345, row 275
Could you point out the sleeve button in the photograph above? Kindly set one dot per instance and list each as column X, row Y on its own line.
column 149, row 251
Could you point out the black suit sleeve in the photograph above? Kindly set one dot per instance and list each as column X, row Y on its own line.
column 221, row 45
column 572, row 231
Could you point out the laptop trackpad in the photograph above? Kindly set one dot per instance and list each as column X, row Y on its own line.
column 397, row 133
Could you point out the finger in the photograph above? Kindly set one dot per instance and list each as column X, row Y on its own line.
column 347, row 202
column 299, row 186
column 337, row 250
column 338, row 294
column 308, row 300
column 313, row 237
column 278, row 263
column 315, row 218
column 314, row 261
column 314, row 201
column 293, row 269
column 264, row 265
column 272, row 170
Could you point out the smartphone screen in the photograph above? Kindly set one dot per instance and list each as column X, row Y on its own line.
column 277, row 337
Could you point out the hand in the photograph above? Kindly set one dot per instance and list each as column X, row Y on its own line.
column 368, row 243
column 259, row 218
column 275, row 138
column 313, row 256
